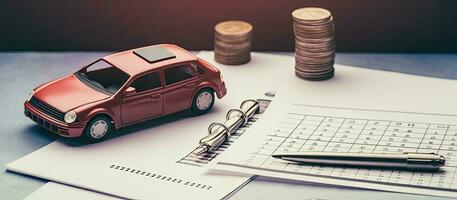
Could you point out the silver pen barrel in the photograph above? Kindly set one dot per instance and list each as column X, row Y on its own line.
column 219, row 133
column 411, row 161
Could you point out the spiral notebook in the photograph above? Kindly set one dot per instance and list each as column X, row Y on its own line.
column 162, row 177
column 156, row 157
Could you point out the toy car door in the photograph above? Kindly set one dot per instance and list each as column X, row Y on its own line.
column 143, row 98
column 181, row 82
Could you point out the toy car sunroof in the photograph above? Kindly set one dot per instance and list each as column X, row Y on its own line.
column 154, row 54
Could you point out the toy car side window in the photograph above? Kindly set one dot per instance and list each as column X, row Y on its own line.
column 178, row 73
column 147, row 82
column 198, row 68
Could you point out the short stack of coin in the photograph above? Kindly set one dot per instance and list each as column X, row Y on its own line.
column 232, row 42
column 314, row 43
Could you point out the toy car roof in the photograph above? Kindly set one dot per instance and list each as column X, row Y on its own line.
column 137, row 61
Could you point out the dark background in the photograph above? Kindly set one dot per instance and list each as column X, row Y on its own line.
column 361, row 25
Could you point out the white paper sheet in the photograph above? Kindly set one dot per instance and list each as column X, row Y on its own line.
column 139, row 165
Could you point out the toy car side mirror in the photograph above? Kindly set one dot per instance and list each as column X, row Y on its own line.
column 129, row 91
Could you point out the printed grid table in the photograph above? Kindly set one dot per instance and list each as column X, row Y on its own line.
column 301, row 132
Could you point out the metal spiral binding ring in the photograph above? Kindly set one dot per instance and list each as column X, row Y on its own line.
column 210, row 128
column 245, row 118
column 248, row 100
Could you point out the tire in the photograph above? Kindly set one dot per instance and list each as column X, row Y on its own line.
column 97, row 129
column 203, row 101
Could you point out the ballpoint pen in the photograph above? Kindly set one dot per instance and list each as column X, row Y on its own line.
column 219, row 133
column 409, row 161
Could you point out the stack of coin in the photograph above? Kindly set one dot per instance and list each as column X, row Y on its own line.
column 314, row 43
column 232, row 42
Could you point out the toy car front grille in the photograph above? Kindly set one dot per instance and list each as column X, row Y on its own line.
column 46, row 124
column 54, row 113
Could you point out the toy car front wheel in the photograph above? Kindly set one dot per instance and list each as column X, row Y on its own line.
column 97, row 129
column 203, row 101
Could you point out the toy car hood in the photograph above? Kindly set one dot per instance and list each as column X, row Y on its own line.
column 68, row 93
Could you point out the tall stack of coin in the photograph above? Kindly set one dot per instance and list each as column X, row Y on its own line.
column 314, row 43
column 232, row 42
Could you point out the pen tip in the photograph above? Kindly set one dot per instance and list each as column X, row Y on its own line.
column 441, row 161
column 276, row 156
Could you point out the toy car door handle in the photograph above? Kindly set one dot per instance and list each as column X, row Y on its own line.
column 190, row 85
column 155, row 96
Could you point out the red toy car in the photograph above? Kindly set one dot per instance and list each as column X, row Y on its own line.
column 123, row 89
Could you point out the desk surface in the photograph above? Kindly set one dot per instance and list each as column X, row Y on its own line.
column 20, row 72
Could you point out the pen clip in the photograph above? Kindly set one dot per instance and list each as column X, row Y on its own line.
column 430, row 153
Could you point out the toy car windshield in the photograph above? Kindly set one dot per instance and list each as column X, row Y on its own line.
column 103, row 77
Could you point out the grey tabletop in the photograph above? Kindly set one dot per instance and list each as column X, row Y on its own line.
column 20, row 72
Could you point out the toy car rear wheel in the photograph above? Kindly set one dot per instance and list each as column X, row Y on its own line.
column 97, row 129
column 203, row 101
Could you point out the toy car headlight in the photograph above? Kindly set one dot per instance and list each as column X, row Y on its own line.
column 30, row 95
column 70, row 117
